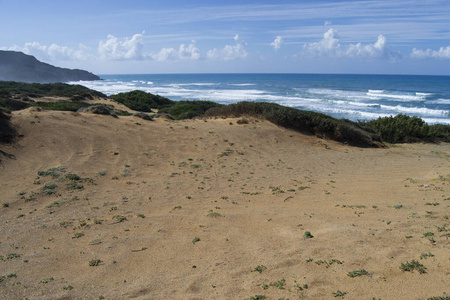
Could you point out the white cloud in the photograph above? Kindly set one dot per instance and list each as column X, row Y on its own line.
column 188, row 52
column 122, row 49
column 276, row 44
column 54, row 52
column 184, row 52
column 229, row 52
column 330, row 46
column 429, row 53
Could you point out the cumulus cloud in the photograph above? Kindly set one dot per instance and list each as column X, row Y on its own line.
column 112, row 48
column 229, row 52
column 184, row 52
column 443, row 53
column 54, row 52
column 122, row 49
column 330, row 46
column 276, row 44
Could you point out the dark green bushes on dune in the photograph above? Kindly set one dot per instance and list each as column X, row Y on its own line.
column 61, row 105
column 188, row 109
column 302, row 121
column 406, row 129
column 7, row 132
column 141, row 101
column 10, row 88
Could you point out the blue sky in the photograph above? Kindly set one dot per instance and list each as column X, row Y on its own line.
column 199, row 36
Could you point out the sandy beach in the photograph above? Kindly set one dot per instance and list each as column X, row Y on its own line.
column 96, row 207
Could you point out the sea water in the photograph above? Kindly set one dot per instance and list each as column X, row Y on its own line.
column 354, row 97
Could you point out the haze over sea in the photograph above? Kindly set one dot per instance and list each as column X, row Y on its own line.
column 354, row 97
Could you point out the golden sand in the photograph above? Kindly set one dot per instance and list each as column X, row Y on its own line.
column 195, row 209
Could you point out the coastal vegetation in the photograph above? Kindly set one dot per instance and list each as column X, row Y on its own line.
column 38, row 90
column 394, row 129
column 141, row 101
column 406, row 129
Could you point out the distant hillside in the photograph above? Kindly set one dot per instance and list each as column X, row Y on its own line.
column 17, row 66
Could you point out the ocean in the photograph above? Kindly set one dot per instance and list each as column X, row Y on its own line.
column 354, row 97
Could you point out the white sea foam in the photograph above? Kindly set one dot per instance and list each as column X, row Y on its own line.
column 195, row 84
column 424, row 94
column 415, row 110
column 436, row 121
column 242, row 84
column 397, row 97
column 376, row 91
column 439, row 101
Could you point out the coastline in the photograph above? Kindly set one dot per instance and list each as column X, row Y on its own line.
column 341, row 96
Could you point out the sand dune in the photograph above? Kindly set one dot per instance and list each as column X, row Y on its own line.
column 189, row 210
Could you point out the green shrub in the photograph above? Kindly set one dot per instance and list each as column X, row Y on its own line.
column 8, row 132
column 406, row 129
column 188, row 109
column 141, row 101
column 413, row 265
column 8, row 88
column 61, row 105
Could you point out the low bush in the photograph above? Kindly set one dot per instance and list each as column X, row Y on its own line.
column 10, row 88
column 61, row 105
column 188, row 109
column 141, row 101
column 406, row 129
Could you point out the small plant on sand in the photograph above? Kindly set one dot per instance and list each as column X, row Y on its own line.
column 68, row 287
column 49, row 188
column 141, row 216
column 72, row 176
column 260, row 268
column 12, row 255
column 426, row 255
column 47, row 280
column 78, row 235
column 357, row 273
column 214, row 215
column 125, row 172
column 339, row 294
column 413, row 265
column 94, row 262
column 5, row 205
column 307, row 235
column 328, row 264
column 120, row 218
column 195, row 240
column 95, row 242
column 279, row 284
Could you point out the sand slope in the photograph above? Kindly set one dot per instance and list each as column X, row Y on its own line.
column 248, row 192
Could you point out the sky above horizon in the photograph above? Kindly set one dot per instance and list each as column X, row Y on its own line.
column 199, row 36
